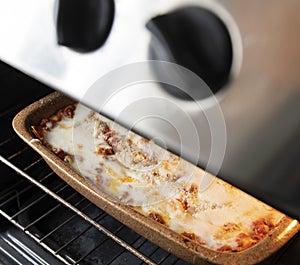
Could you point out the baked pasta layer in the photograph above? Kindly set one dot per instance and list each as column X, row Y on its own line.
column 155, row 182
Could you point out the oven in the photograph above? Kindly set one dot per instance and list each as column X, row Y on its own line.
column 45, row 221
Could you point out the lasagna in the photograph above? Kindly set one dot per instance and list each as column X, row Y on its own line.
column 155, row 182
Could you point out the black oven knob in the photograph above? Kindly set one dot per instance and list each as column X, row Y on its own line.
column 84, row 25
column 195, row 38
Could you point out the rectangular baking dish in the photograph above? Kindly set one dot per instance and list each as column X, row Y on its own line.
column 147, row 227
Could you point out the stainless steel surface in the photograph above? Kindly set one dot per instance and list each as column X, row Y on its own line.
column 260, row 105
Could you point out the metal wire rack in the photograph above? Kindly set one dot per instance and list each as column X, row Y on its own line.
column 61, row 220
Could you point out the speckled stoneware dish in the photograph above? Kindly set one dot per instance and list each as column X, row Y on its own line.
column 173, row 242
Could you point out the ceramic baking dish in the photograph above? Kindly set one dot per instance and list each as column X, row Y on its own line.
column 173, row 242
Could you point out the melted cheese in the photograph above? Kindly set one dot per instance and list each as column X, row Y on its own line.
column 151, row 179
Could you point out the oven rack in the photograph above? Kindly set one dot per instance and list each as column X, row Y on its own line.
column 38, row 197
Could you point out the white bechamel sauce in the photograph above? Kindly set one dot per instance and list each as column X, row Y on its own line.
column 156, row 182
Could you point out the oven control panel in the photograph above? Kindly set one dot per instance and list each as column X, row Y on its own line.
column 214, row 81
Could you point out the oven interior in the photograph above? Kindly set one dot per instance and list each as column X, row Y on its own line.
column 45, row 221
